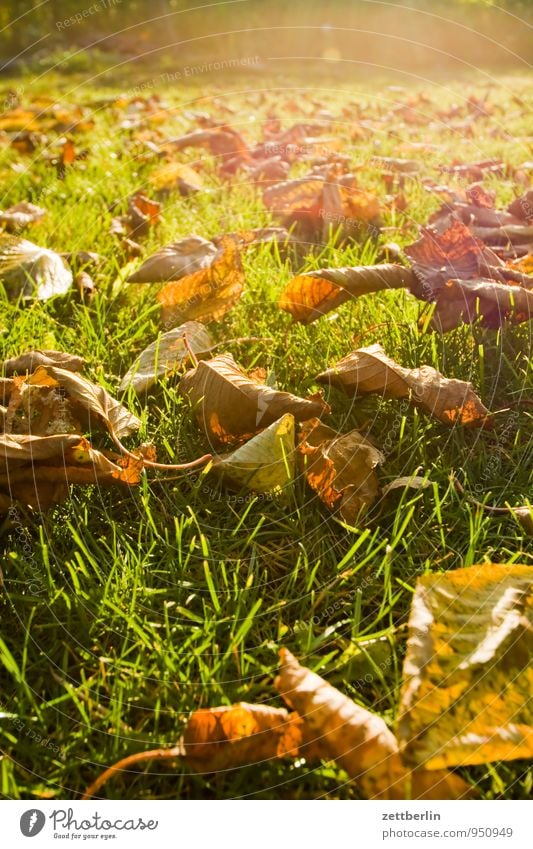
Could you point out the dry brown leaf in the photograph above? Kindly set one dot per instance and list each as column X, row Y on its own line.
column 358, row 740
column 207, row 294
column 176, row 175
column 465, row 301
column 315, row 293
column 166, row 355
column 315, row 205
column 176, row 261
column 29, row 361
column 369, row 370
column 21, row 215
column 37, row 470
column 91, row 404
column 228, row 737
column 231, row 407
column 468, row 678
column 340, row 468
column 143, row 214
column 31, row 271
column 453, row 253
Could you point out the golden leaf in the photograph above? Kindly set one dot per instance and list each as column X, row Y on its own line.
column 369, row 370
column 340, row 468
column 231, row 407
column 207, row 294
column 263, row 464
column 468, row 678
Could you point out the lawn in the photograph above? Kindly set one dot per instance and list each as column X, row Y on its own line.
column 125, row 610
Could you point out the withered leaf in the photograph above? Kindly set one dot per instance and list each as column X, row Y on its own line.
column 31, row 359
column 21, row 215
column 231, row 407
column 453, row 253
column 315, row 205
column 166, row 354
column 31, row 271
column 227, row 737
column 315, row 293
column 340, row 468
column 91, row 403
column 493, row 303
column 369, row 370
column 358, row 740
column 223, row 141
column 176, row 175
column 207, row 294
column 37, row 470
column 467, row 678
column 175, row 261
column 263, row 464
column 143, row 213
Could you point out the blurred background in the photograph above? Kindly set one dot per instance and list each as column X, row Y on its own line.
column 355, row 35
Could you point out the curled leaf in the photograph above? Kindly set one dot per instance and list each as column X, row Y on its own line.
column 166, row 354
column 263, row 464
column 467, row 679
column 207, row 294
column 31, row 271
column 21, row 215
column 465, row 301
column 358, row 740
column 227, row 737
column 340, row 468
column 315, row 293
column 31, row 359
column 90, row 403
column 175, row 261
column 231, row 407
column 369, row 370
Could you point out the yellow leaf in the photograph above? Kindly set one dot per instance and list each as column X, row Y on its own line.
column 468, row 678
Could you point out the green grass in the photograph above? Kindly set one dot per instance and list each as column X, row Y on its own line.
column 173, row 596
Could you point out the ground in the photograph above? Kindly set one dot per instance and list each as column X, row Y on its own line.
column 159, row 600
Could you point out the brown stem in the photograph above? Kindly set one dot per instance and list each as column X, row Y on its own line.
column 487, row 507
column 125, row 763
column 150, row 464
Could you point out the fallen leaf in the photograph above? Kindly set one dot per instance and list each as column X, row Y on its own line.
column 29, row 361
column 263, row 464
column 208, row 294
column 31, row 271
column 226, row 737
column 231, row 407
column 340, row 468
column 37, row 470
column 454, row 253
column 466, row 301
column 21, row 215
column 175, row 261
column 143, row 213
column 315, row 293
column 166, row 355
column 89, row 401
column 369, row 370
column 358, row 740
column 176, row 175
column 467, row 680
